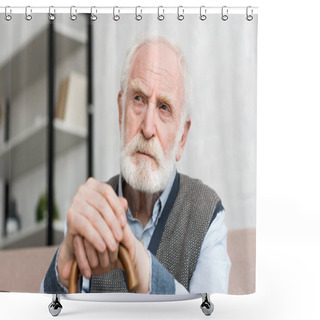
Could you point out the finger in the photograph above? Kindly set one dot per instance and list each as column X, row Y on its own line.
column 97, row 201
column 92, row 255
column 124, row 204
column 128, row 236
column 113, row 256
column 96, row 222
column 112, row 198
column 129, row 241
column 104, row 259
column 66, row 270
column 81, row 225
column 79, row 251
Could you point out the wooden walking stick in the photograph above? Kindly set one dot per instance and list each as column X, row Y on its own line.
column 128, row 266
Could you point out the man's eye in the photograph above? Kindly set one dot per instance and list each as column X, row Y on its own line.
column 164, row 107
column 138, row 98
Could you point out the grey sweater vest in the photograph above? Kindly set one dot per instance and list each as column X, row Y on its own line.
column 178, row 236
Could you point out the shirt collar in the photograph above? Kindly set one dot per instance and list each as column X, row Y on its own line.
column 161, row 201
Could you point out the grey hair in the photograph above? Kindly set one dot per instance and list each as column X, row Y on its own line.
column 181, row 62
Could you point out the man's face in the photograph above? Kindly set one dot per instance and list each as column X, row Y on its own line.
column 152, row 112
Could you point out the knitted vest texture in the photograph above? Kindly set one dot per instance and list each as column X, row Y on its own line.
column 185, row 227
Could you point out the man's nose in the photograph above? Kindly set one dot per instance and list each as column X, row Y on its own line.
column 148, row 127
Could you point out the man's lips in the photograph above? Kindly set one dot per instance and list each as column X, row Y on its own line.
column 145, row 154
column 150, row 157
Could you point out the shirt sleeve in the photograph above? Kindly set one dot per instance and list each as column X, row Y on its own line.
column 161, row 280
column 211, row 274
column 50, row 283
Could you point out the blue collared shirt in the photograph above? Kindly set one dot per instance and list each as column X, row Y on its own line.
column 145, row 234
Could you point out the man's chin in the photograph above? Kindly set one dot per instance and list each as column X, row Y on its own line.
column 147, row 183
column 144, row 179
column 143, row 162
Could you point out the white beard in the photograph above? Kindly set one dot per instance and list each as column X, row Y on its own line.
column 147, row 175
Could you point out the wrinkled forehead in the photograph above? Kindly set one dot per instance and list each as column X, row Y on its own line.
column 157, row 63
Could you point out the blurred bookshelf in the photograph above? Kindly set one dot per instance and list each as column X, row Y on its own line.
column 24, row 147
column 27, row 150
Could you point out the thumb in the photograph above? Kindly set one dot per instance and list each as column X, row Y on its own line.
column 129, row 241
column 124, row 203
column 66, row 270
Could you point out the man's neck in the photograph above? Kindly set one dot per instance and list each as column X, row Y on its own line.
column 140, row 203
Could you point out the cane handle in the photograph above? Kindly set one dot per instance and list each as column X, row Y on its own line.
column 128, row 266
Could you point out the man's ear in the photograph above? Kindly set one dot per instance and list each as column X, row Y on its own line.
column 183, row 140
column 120, row 108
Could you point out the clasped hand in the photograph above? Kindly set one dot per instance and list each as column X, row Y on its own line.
column 97, row 224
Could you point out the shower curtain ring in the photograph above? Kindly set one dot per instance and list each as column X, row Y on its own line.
column 203, row 13
column 52, row 12
column 93, row 17
column 7, row 15
column 224, row 13
column 138, row 16
column 160, row 16
column 28, row 12
column 116, row 17
column 73, row 13
column 249, row 17
column 180, row 13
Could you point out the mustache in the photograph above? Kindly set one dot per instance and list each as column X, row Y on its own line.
column 150, row 147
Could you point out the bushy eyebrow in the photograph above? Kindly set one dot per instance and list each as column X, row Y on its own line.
column 137, row 86
column 166, row 99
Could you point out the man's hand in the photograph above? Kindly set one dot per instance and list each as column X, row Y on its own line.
column 95, row 221
column 96, row 225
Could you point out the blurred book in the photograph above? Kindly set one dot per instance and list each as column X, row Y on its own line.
column 72, row 100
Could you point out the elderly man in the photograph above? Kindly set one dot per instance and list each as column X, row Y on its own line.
column 172, row 225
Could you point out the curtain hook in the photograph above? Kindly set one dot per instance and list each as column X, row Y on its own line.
column 160, row 16
column 203, row 13
column 7, row 15
column 224, row 13
column 93, row 17
column 180, row 13
column 138, row 16
column 116, row 17
column 52, row 12
column 249, row 17
column 28, row 12
column 73, row 15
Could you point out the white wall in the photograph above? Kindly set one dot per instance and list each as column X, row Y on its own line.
column 221, row 148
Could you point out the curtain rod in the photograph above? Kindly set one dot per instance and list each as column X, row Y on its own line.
column 126, row 10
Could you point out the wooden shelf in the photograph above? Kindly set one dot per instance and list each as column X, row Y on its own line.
column 23, row 70
column 32, row 236
column 29, row 149
column 32, row 57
